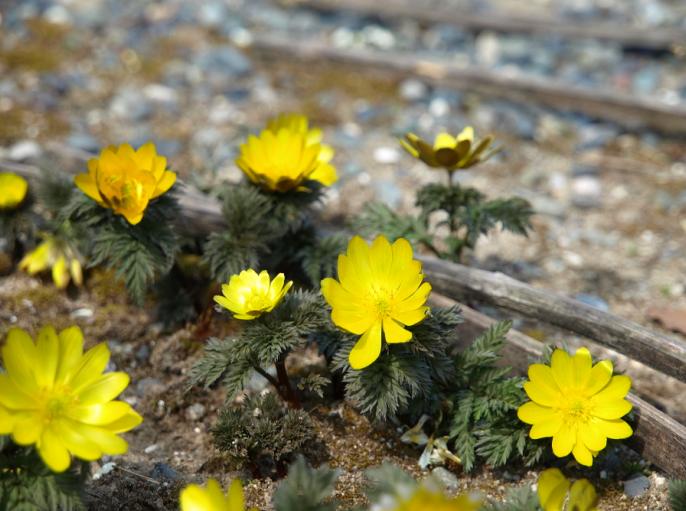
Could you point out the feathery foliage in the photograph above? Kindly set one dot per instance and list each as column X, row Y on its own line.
column 306, row 488
column 517, row 499
column 139, row 254
column 262, row 342
column 406, row 378
column 465, row 212
column 677, row 494
column 26, row 484
column 484, row 399
column 319, row 259
column 262, row 434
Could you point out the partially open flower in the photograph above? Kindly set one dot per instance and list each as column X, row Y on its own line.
column 287, row 155
column 425, row 498
column 57, row 398
column 125, row 180
column 577, row 404
column 554, row 493
column 450, row 152
column 12, row 190
column 380, row 289
column 212, row 498
column 249, row 295
column 57, row 255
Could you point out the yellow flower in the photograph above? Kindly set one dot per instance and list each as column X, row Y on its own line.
column 249, row 295
column 59, row 256
column 212, row 498
column 424, row 499
column 577, row 404
column 12, row 190
column 380, row 289
column 287, row 155
column 449, row 152
column 125, row 180
column 554, row 491
column 57, row 398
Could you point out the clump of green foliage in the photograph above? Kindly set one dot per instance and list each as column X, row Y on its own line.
column 451, row 219
column 517, row 499
column 263, row 343
column 307, row 488
column 26, row 484
column 677, row 494
column 139, row 254
column 262, row 434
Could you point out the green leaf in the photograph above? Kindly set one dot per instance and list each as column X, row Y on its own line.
column 306, row 488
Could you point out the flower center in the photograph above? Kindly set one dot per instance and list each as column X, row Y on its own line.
column 56, row 403
column 576, row 410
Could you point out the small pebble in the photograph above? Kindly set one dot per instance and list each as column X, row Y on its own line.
column 195, row 412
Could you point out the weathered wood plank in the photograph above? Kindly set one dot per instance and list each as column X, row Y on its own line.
column 662, row 39
column 665, row 353
column 657, row 437
column 627, row 110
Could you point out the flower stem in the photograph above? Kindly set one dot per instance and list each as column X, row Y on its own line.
column 288, row 391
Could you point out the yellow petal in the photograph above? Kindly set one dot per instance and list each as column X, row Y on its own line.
column 164, row 184
column 28, row 428
column 53, row 452
column 235, row 497
column 90, row 367
column 416, row 300
column 367, row 349
column 47, row 347
column 99, row 414
column 87, row 185
column 20, row 358
column 394, row 333
column 13, row 396
column 531, row 413
column 60, row 273
column 599, row 377
column 541, row 393
column 76, row 271
column 612, row 409
column 581, row 363
column 410, row 318
column 563, row 372
column 543, row 384
column 582, row 496
column 108, row 442
column 552, row 489
column 104, row 389
column 325, row 173
column 71, row 349
column 77, row 444
column 546, row 428
column 354, row 321
column 618, row 388
column 125, row 423
column 615, row 429
column 582, row 454
column 564, row 441
column 6, row 421
column 194, row 498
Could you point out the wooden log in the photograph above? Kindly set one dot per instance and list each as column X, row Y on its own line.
column 652, row 39
column 657, row 437
column 599, row 103
column 662, row 352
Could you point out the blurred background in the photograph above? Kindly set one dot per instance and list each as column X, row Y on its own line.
column 587, row 99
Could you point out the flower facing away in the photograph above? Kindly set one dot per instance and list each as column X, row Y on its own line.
column 424, row 499
column 212, row 498
column 125, row 180
column 56, row 397
column 554, row 493
column 57, row 255
column 380, row 289
column 249, row 295
column 578, row 404
column 13, row 190
column 287, row 155
column 450, row 152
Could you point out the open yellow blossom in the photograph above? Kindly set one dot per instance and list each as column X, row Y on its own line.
column 249, row 295
column 57, row 255
column 287, row 155
column 450, row 152
column 58, row 398
column 579, row 404
column 125, row 180
column 554, row 493
column 423, row 499
column 212, row 498
column 13, row 190
column 380, row 289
